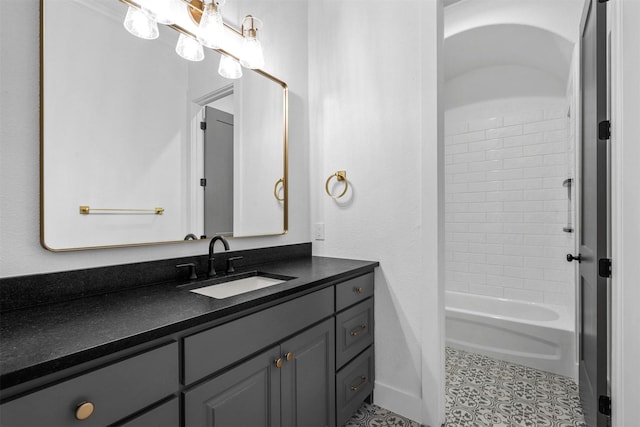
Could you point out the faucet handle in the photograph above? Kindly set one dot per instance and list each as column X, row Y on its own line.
column 230, row 266
column 192, row 269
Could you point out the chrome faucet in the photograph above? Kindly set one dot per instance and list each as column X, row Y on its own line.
column 212, row 270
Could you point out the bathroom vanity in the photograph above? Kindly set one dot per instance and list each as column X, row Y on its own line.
column 134, row 345
column 293, row 354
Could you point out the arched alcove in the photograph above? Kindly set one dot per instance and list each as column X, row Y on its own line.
column 503, row 61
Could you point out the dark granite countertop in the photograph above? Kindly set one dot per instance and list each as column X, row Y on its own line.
column 41, row 340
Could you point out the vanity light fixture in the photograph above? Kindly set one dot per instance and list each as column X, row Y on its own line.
column 229, row 68
column 140, row 25
column 252, row 56
column 143, row 17
column 211, row 27
column 162, row 11
column 189, row 48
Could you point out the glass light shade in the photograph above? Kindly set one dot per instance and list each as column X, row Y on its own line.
column 252, row 56
column 229, row 68
column 140, row 25
column 211, row 28
column 163, row 11
column 189, row 48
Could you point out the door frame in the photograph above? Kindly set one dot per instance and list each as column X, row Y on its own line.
column 625, row 207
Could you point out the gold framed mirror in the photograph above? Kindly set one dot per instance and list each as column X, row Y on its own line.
column 125, row 152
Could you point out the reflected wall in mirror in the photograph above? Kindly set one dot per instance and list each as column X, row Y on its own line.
column 121, row 129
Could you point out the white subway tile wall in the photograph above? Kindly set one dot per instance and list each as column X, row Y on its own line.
column 505, row 206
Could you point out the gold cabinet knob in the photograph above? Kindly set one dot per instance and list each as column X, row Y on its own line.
column 288, row 356
column 84, row 410
column 358, row 290
column 278, row 362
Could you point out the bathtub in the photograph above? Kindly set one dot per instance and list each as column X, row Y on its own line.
column 535, row 335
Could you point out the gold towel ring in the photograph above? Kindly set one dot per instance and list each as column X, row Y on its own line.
column 340, row 176
column 275, row 189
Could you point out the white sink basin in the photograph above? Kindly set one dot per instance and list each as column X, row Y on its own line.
column 237, row 287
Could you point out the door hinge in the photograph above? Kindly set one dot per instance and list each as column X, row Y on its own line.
column 604, row 267
column 203, row 182
column 604, row 405
column 604, row 129
column 203, row 125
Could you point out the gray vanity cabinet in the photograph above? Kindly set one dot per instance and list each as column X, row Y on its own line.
column 308, row 379
column 288, row 385
column 247, row 395
column 354, row 345
column 100, row 397
column 307, row 361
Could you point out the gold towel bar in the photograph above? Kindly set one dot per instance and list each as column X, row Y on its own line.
column 86, row 210
column 341, row 176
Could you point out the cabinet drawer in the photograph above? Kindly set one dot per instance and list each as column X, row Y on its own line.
column 115, row 391
column 354, row 331
column 165, row 415
column 353, row 383
column 211, row 350
column 353, row 291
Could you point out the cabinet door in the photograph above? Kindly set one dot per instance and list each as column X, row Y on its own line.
column 247, row 395
column 308, row 379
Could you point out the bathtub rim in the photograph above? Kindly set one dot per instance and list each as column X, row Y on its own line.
column 563, row 322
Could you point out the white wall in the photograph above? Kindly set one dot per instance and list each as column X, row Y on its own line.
column 505, row 204
column 373, row 111
column 625, row 212
column 20, row 249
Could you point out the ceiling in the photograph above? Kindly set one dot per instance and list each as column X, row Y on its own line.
column 561, row 17
column 507, row 44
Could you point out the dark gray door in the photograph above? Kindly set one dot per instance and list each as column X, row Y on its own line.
column 218, row 171
column 594, row 230
column 308, row 379
column 247, row 395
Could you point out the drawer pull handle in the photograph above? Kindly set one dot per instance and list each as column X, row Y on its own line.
column 358, row 331
column 278, row 362
column 288, row 356
column 363, row 381
column 358, row 290
column 84, row 410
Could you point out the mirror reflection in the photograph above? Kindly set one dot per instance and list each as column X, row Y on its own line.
column 140, row 146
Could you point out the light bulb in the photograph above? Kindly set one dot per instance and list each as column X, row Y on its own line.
column 211, row 29
column 229, row 68
column 162, row 11
column 252, row 56
column 189, row 48
column 140, row 25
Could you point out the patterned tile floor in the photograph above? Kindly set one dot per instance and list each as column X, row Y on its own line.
column 485, row 392
column 482, row 391
column 375, row 416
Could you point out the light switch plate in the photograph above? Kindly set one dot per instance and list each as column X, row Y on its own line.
column 318, row 231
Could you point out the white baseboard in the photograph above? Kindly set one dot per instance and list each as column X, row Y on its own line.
column 398, row 401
